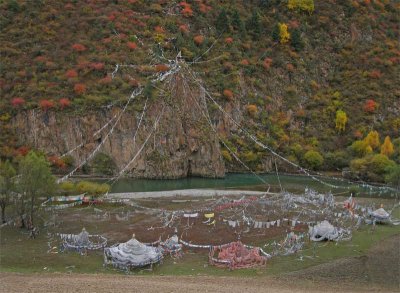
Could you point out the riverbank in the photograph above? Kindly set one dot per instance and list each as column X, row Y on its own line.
column 185, row 193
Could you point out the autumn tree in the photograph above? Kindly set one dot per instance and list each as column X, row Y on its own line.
column 387, row 147
column 372, row 139
column 35, row 180
column 341, row 120
column 7, row 174
column 301, row 5
column 284, row 35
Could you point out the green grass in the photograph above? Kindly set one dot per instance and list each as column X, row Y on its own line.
column 20, row 254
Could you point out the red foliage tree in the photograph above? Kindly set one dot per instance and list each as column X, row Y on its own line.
column 78, row 47
column 71, row 73
column 64, row 102
column 97, row 65
column 228, row 40
column 56, row 162
column 184, row 28
column 79, row 88
column 106, row 80
column 132, row 45
column 228, row 94
column 22, row 151
column 46, row 105
column 370, row 106
column 245, row 62
column 186, row 9
column 375, row 74
column 17, row 102
column 198, row 39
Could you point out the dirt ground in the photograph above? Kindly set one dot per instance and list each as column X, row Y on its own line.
column 377, row 271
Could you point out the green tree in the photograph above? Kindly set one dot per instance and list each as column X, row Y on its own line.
column 253, row 24
column 296, row 40
column 35, row 180
column 7, row 174
column 393, row 175
column 313, row 159
column 222, row 22
column 275, row 33
column 103, row 164
column 341, row 120
column 360, row 148
column 237, row 22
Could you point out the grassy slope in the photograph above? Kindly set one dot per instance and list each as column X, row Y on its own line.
column 350, row 55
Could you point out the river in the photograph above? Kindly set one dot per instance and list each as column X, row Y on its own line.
column 292, row 183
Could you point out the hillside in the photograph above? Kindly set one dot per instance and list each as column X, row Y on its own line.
column 312, row 80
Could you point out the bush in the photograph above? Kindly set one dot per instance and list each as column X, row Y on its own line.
column 313, row 159
column 103, row 165
column 372, row 167
column 91, row 188
column 393, row 175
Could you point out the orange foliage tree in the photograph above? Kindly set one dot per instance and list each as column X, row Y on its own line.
column 370, row 106
column 46, row 105
column 228, row 94
column 79, row 88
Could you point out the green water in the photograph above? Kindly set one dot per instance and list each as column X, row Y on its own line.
column 237, row 181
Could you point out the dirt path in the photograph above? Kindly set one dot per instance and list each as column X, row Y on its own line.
column 108, row 283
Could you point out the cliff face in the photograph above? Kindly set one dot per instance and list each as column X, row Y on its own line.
column 183, row 143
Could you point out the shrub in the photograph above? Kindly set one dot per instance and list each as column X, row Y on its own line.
column 228, row 94
column 252, row 110
column 184, row 28
column 186, row 9
column 199, row 39
column 161, row 67
column 393, row 175
column 313, row 159
column 360, row 148
column 92, row 188
column 79, row 88
column 302, row 5
column 46, row 105
column 17, row 102
column 64, row 102
column 132, row 45
column 103, row 164
column 370, row 106
column 71, row 73
column 78, row 47
column 228, row 40
column 226, row 155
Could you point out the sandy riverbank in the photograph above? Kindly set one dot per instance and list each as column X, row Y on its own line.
column 185, row 192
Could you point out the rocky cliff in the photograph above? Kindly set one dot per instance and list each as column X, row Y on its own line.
column 183, row 143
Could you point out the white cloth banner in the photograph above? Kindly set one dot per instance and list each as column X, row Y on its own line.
column 195, row 215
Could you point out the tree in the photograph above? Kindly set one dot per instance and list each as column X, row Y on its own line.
column 35, row 181
column 296, row 41
column 313, row 159
column 341, row 120
column 237, row 21
column 393, row 175
column 387, row 147
column 275, row 33
column 284, row 35
column 253, row 24
column 7, row 174
column 222, row 22
column 372, row 139
column 361, row 148
column 301, row 5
